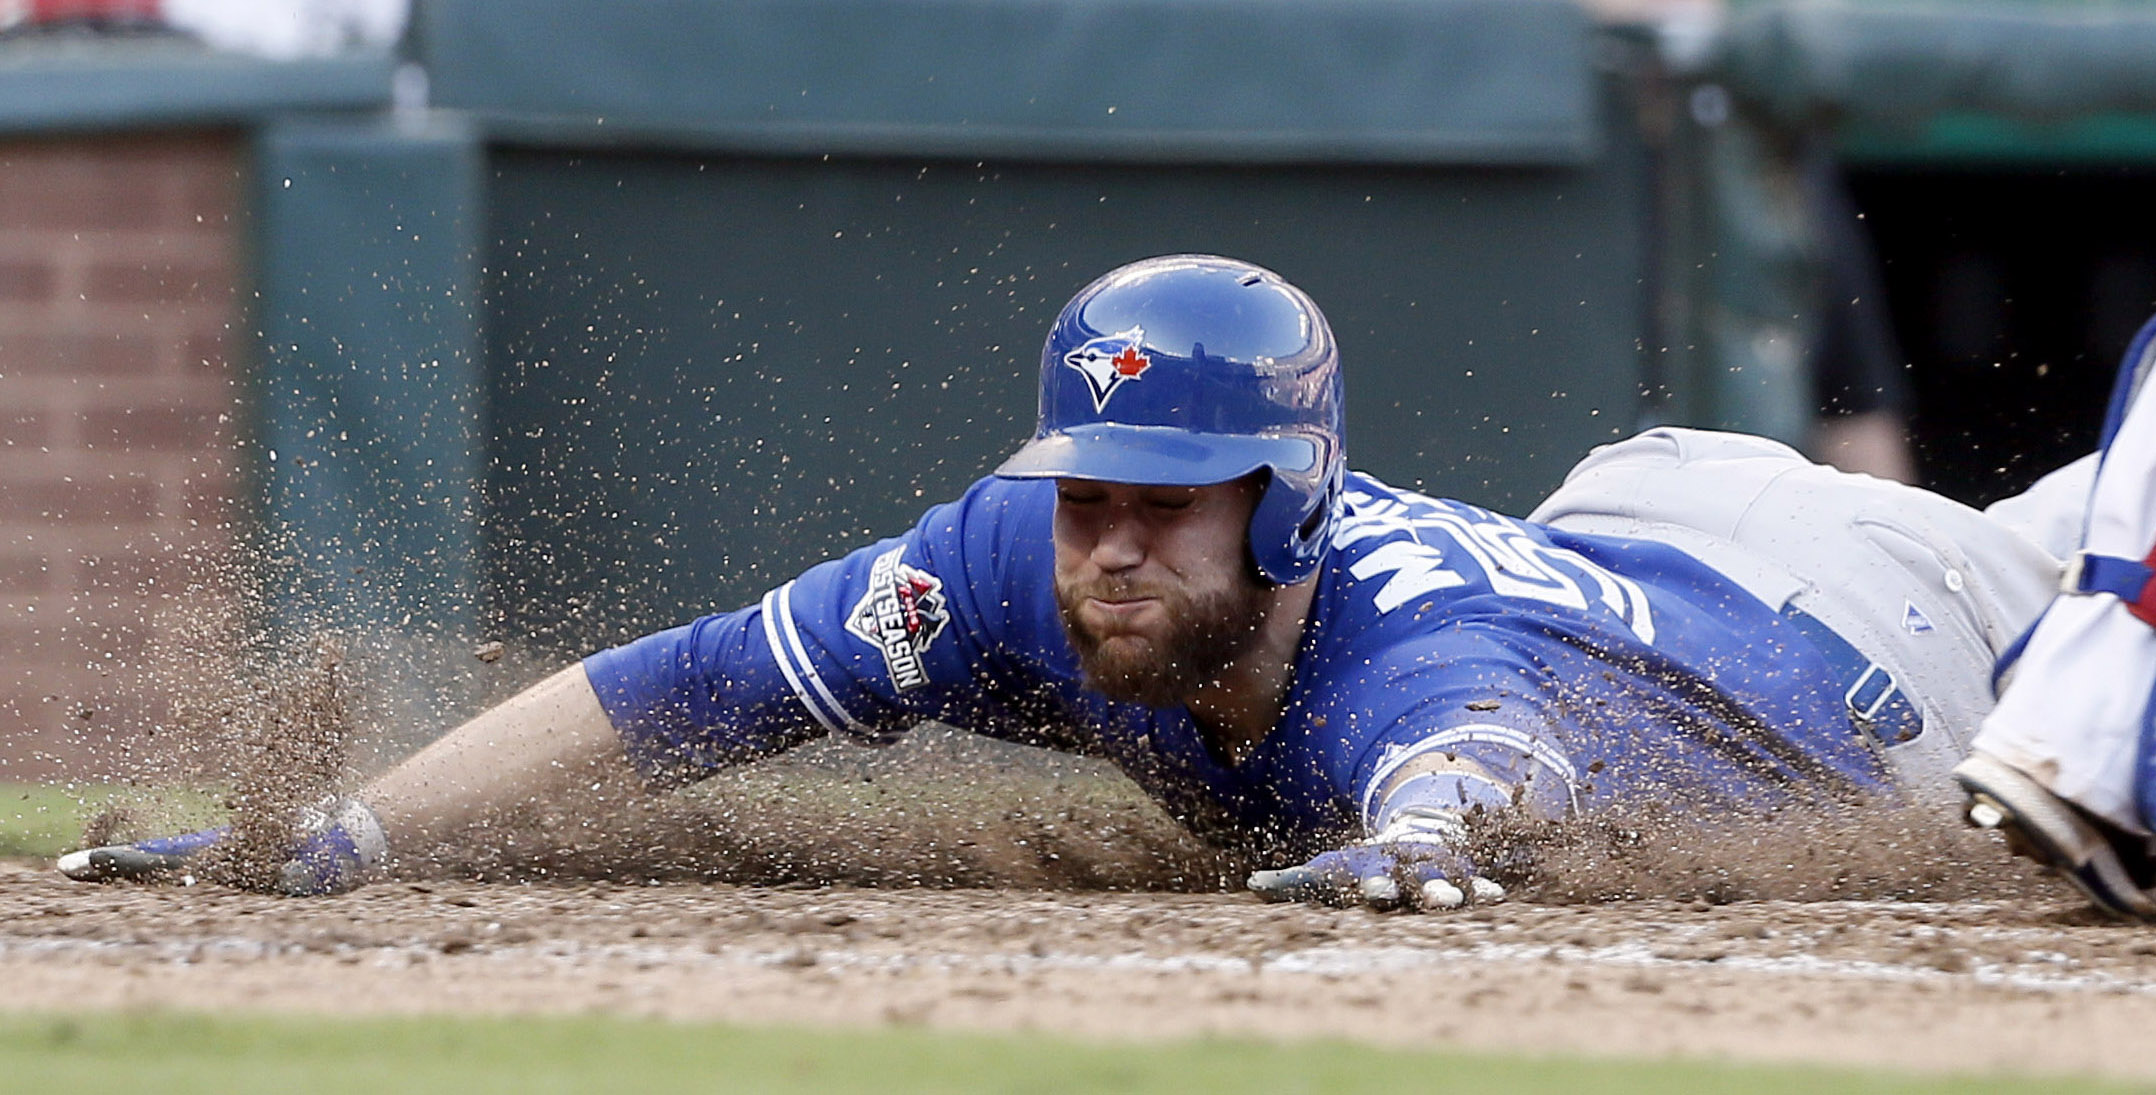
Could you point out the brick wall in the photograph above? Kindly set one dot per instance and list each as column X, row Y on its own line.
column 118, row 418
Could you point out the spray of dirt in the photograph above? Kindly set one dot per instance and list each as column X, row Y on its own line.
column 159, row 707
column 941, row 809
column 1879, row 850
column 269, row 742
column 949, row 810
column 292, row 757
column 946, row 809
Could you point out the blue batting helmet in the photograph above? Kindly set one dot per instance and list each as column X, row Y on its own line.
column 1187, row 370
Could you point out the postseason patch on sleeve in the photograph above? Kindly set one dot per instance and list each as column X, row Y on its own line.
column 900, row 615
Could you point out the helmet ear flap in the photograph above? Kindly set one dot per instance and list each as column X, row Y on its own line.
column 1289, row 527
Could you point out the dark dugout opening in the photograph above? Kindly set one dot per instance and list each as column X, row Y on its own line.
column 2013, row 294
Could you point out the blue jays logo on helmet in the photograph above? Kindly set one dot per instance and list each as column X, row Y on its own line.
column 1239, row 375
column 1109, row 362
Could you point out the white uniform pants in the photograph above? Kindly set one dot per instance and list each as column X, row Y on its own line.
column 1928, row 589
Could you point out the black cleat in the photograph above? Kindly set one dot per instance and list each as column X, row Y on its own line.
column 2112, row 867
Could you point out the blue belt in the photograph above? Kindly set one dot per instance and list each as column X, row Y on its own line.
column 1877, row 706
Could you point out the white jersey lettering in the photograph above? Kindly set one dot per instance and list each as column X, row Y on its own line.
column 1416, row 569
column 1513, row 562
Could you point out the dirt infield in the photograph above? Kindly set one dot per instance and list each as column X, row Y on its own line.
column 951, row 883
column 2023, row 987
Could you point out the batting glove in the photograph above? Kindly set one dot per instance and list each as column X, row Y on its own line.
column 335, row 845
column 1410, row 862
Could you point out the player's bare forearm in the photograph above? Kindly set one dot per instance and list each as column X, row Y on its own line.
column 551, row 742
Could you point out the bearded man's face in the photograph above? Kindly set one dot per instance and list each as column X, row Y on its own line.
column 1154, row 584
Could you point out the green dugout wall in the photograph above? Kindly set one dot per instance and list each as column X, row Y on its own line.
column 716, row 290
column 763, row 280
column 2001, row 156
column 575, row 319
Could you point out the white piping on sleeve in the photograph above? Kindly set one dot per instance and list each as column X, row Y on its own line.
column 778, row 654
column 808, row 667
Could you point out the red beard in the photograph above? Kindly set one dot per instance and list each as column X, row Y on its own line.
column 1206, row 631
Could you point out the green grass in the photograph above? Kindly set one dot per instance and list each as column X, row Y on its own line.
column 40, row 819
column 37, row 819
column 174, row 1053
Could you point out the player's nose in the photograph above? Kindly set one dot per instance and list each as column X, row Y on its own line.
column 1121, row 545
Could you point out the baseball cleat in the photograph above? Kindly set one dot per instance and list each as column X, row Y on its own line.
column 2110, row 866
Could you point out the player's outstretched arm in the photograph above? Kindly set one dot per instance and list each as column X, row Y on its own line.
column 550, row 742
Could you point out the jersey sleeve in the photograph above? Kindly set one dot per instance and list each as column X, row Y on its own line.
column 1470, row 724
column 865, row 645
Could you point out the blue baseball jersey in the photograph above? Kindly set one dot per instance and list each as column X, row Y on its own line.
column 1575, row 671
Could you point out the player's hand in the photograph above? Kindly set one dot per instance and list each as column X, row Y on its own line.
column 1412, row 862
column 334, row 848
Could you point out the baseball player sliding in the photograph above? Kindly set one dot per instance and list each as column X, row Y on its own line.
column 1179, row 573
